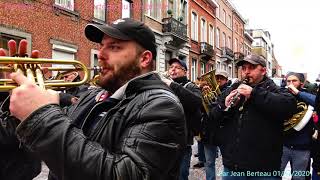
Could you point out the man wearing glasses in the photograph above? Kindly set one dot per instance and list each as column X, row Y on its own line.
column 190, row 98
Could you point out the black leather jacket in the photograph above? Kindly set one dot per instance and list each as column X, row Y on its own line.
column 252, row 139
column 140, row 137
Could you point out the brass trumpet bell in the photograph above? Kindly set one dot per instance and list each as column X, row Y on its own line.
column 33, row 69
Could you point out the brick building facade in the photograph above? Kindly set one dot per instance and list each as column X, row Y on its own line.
column 56, row 27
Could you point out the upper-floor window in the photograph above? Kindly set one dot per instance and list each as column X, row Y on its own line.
column 4, row 38
column 211, row 35
column 126, row 9
column 229, row 42
column 154, row 8
column 229, row 21
column 218, row 12
column 224, row 40
column 218, row 38
column 203, row 68
column 224, row 16
column 203, row 30
column 193, row 69
column 68, row 4
column 100, row 9
column 218, row 65
column 194, row 26
column 236, row 45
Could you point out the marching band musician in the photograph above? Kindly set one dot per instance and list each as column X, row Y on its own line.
column 253, row 129
column 190, row 97
column 135, row 130
column 297, row 140
column 211, row 128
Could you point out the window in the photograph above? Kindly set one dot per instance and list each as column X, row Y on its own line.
column 218, row 38
column 230, row 71
column 218, row 65
column 194, row 26
column 4, row 38
column 223, row 39
column 7, row 34
column 100, row 9
column 211, row 67
column 236, row 45
column 154, row 10
column 229, row 21
column 224, row 67
column 68, row 4
column 184, row 10
column 61, row 51
column 203, row 30
column 94, row 62
column 224, row 16
column 229, row 42
column 126, row 7
column 193, row 69
column 211, row 35
column 203, row 68
column 218, row 12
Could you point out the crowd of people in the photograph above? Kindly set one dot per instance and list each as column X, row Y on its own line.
column 140, row 124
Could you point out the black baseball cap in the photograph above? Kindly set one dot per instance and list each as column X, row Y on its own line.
column 253, row 59
column 182, row 63
column 124, row 29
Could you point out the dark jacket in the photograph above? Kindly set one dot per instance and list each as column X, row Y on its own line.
column 252, row 138
column 190, row 98
column 301, row 140
column 67, row 95
column 138, row 136
column 15, row 161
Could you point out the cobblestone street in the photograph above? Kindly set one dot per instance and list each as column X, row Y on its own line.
column 195, row 173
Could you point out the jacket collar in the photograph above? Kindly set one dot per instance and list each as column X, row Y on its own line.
column 150, row 80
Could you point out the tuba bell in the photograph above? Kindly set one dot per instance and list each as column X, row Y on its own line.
column 300, row 119
column 210, row 95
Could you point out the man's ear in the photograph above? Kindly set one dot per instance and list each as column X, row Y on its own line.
column 146, row 59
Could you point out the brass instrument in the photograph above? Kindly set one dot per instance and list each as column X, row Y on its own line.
column 211, row 95
column 32, row 68
column 300, row 119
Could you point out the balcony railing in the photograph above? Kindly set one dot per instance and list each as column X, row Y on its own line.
column 175, row 27
column 206, row 49
column 238, row 56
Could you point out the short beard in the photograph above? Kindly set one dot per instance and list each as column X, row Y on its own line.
column 121, row 77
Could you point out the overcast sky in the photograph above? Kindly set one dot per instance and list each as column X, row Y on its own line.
column 294, row 28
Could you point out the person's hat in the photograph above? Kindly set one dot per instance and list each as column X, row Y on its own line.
column 222, row 73
column 253, row 59
column 182, row 63
column 300, row 76
column 124, row 29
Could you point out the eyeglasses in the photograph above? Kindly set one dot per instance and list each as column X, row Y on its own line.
column 176, row 67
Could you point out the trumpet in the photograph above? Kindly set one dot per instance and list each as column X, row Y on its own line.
column 33, row 69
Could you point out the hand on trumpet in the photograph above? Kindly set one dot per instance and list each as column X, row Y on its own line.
column 28, row 97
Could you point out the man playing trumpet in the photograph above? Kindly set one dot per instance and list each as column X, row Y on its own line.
column 133, row 130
